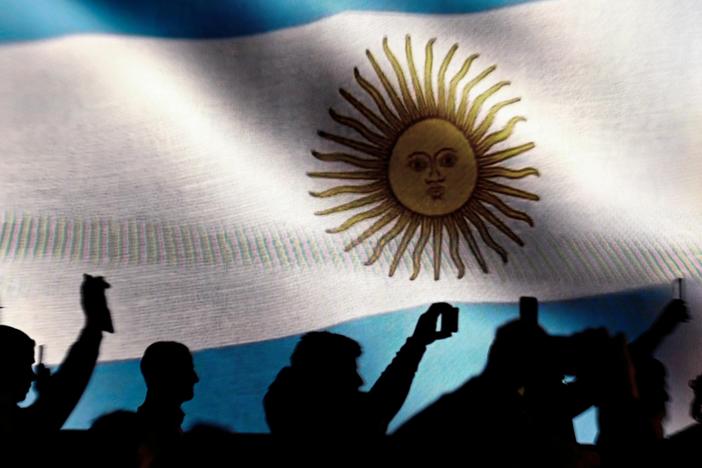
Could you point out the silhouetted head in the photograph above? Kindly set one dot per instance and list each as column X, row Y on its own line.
column 517, row 353
column 651, row 382
column 168, row 370
column 329, row 359
column 696, row 407
column 653, row 391
column 16, row 360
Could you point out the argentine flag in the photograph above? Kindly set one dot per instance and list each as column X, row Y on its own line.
column 243, row 172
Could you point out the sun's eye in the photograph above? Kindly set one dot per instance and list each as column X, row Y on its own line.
column 430, row 169
column 418, row 163
column 448, row 159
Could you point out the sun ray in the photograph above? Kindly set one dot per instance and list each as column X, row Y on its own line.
column 389, row 90
column 495, row 221
column 419, row 94
column 390, row 118
column 505, row 190
column 387, row 237
column 359, row 202
column 453, row 85
column 428, row 63
column 419, row 248
column 406, row 238
column 365, row 132
column 493, row 172
column 437, row 231
column 367, row 188
column 503, row 207
column 413, row 131
column 453, row 248
column 472, row 244
column 478, row 104
column 410, row 105
column 441, row 103
column 353, row 144
column 485, row 234
column 349, row 159
column 499, row 136
column 368, row 114
column 490, row 117
column 369, row 214
column 503, row 155
column 349, row 175
column 468, row 87
column 377, row 226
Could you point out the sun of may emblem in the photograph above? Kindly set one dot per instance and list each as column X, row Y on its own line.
column 427, row 163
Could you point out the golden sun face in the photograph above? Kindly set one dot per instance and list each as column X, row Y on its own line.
column 428, row 163
column 432, row 169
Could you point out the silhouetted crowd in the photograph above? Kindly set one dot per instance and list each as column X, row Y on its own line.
column 518, row 412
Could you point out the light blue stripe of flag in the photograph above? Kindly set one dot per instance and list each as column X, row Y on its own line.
column 233, row 380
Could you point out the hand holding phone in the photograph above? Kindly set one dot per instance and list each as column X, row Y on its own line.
column 43, row 374
column 94, row 302
column 675, row 312
column 449, row 320
column 426, row 330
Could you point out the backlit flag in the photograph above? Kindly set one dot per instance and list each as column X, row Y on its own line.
column 244, row 172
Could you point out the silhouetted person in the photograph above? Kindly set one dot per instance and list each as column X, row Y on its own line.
column 315, row 404
column 59, row 393
column 640, row 407
column 673, row 314
column 117, row 439
column 170, row 377
column 515, row 413
column 628, row 386
column 650, row 372
column 696, row 406
column 683, row 447
column 626, row 436
column 633, row 395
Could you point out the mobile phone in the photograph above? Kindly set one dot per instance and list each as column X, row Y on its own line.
column 529, row 309
column 449, row 320
column 678, row 288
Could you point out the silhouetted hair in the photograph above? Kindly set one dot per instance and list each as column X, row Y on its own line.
column 514, row 339
column 163, row 357
column 11, row 341
column 117, row 423
column 322, row 349
column 651, row 382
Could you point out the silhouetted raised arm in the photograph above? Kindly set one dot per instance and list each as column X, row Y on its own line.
column 59, row 393
column 673, row 314
column 390, row 391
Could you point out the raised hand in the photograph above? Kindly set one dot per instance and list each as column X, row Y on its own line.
column 43, row 378
column 94, row 303
column 425, row 331
column 674, row 313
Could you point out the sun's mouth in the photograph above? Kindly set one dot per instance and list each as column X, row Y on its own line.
column 436, row 191
column 431, row 169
